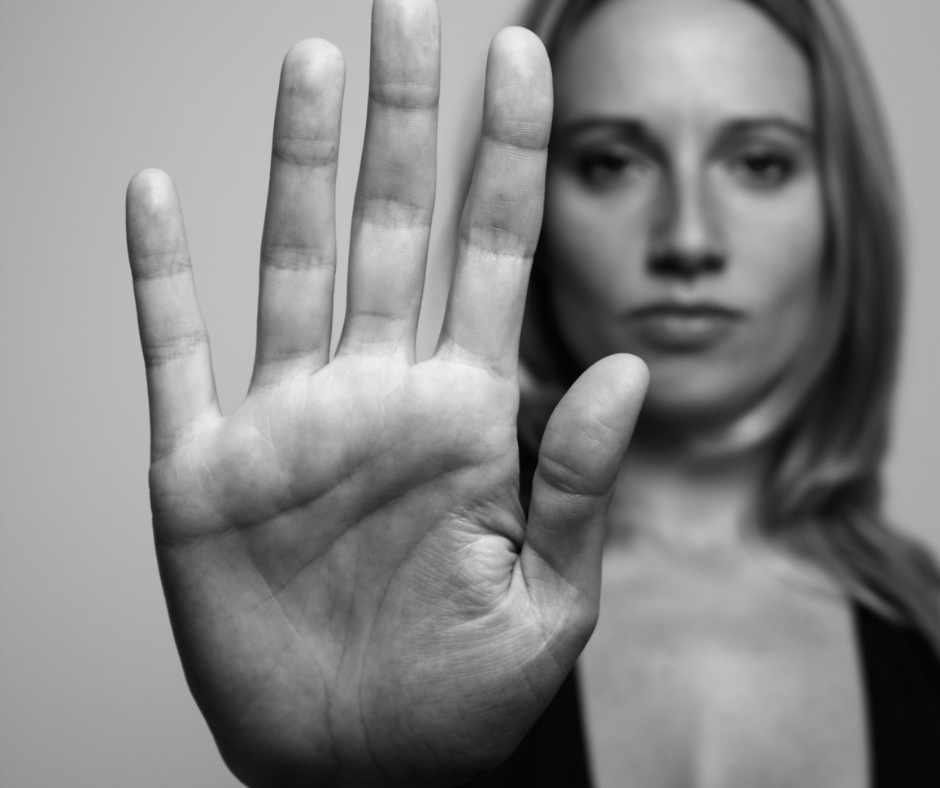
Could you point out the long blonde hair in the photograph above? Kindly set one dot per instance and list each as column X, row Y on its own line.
column 828, row 420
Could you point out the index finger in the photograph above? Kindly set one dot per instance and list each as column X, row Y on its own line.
column 501, row 221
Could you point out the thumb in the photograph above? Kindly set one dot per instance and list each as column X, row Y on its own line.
column 581, row 452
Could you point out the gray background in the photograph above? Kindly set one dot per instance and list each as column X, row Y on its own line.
column 91, row 693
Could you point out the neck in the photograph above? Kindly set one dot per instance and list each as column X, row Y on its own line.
column 683, row 495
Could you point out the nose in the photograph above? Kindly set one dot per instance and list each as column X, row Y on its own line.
column 686, row 241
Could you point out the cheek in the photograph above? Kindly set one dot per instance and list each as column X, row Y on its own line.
column 779, row 249
column 594, row 248
column 775, row 264
column 593, row 256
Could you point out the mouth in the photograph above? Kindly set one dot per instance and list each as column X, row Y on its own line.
column 675, row 327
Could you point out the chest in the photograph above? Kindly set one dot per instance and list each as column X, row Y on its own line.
column 722, row 681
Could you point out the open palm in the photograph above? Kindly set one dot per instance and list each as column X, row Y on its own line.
column 356, row 594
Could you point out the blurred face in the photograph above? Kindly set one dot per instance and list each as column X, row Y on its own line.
column 684, row 212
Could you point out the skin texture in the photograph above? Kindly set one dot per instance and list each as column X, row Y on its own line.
column 355, row 594
column 683, row 173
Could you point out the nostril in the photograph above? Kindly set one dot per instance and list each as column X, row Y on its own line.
column 685, row 264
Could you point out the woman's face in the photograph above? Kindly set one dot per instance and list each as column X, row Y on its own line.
column 684, row 210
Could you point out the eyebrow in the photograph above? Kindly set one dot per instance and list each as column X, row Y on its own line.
column 638, row 131
column 795, row 128
column 627, row 127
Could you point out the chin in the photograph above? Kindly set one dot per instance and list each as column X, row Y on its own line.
column 708, row 401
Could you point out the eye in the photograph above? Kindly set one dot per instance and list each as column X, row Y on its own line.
column 763, row 168
column 601, row 168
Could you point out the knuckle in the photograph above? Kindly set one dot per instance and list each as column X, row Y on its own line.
column 305, row 153
column 297, row 257
column 159, row 353
column 160, row 265
column 405, row 96
column 568, row 479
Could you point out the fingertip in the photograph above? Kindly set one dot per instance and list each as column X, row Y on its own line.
column 151, row 201
column 639, row 374
column 149, row 189
column 612, row 390
column 626, row 376
column 519, row 95
column 154, row 221
column 593, row 422
column 313, row 57
column 524, row 45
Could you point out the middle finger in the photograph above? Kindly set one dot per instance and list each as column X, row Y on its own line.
column 397, row 177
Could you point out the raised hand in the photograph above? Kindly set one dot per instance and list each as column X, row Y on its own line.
column 354, row 590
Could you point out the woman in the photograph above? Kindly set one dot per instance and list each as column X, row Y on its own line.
column 356, row 594
column 720, row 202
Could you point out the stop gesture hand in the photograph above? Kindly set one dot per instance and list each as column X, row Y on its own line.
column 355, row 592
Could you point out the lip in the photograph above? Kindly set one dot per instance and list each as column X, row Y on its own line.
column 675, row 327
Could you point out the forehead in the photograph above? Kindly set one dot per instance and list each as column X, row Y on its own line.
column 673, row 57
